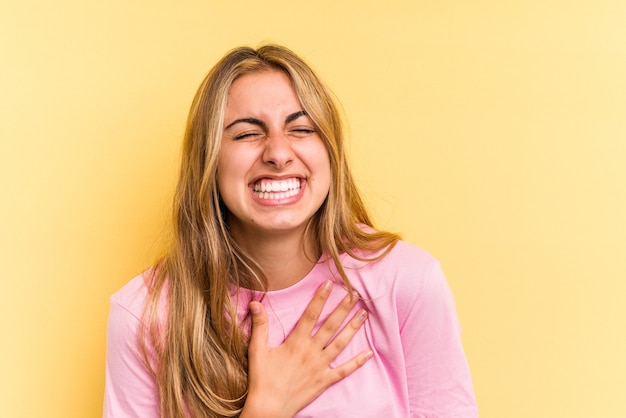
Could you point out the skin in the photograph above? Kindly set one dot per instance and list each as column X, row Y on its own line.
column 268, row 137
column 284, row 379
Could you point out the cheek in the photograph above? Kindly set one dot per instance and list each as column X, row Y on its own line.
column 227, row 166
column 323, row 164
column 227, row 194
column 232, row 171
column 225, row 181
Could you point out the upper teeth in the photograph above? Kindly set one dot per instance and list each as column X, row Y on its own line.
column 277, row 185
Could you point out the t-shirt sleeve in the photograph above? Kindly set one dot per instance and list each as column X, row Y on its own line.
column 439, row 380
column 130, row 389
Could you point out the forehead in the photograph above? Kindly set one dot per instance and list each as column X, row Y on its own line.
column 272, row 89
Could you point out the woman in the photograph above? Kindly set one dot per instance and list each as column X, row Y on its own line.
column 278, row 298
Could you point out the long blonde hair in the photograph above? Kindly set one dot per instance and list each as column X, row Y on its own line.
column 197, row 347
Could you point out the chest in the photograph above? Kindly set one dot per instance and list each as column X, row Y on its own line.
column 377, row 389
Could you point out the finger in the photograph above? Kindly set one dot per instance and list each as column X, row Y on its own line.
column 332, row 324
column 349, row 367
column 260, row 329
column 342, row 339
column 312, row 312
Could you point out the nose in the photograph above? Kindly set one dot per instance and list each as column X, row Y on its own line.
column 278, row 152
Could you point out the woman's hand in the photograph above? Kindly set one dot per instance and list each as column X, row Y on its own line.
column 282, row 380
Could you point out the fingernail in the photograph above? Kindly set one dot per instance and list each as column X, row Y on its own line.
column 255, row 307
column 369, row 355
column 354, row 296
column 327, row 285
column 362, row 315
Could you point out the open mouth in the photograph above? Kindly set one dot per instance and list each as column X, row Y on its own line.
column 276, row 189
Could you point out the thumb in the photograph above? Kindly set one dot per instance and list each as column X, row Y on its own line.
column 259, row 326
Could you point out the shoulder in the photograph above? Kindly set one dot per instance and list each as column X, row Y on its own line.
column 406, row 256
column 401, row 272
column 133, row 295
column 128, row 305
column 402, row 259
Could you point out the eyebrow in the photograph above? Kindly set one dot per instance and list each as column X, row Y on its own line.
column 255, row 121
column 295, row 116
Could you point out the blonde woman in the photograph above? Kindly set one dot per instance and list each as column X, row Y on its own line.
column 278, row 297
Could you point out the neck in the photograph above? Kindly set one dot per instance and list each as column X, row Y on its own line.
column 285, row 258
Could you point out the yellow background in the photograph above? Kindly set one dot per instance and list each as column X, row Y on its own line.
column 492, row 133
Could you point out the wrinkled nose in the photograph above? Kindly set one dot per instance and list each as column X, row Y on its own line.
column 278, row 152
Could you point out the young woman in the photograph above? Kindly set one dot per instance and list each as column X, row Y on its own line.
column 278, row 297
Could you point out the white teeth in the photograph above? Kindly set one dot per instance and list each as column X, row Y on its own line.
column 277, row 189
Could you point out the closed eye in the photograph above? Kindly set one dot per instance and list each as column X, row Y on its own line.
column 247, row 135
column 302, row 132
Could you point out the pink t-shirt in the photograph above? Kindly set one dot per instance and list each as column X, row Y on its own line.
column 418, row 368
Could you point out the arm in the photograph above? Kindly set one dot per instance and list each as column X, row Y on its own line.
column 439, row 380
column 130, row 389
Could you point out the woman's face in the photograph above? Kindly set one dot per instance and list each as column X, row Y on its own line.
column 274, row 170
